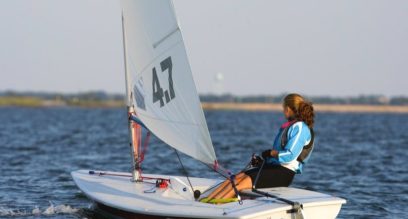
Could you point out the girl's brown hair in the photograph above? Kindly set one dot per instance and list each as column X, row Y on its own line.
column 302, row 108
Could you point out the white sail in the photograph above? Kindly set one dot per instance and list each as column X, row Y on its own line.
column 162, row 86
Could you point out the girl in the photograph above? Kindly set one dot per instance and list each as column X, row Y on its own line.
column 290, row 151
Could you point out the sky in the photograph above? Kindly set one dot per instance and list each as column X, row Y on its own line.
column 336, row 48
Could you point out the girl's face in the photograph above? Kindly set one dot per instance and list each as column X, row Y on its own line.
column 287, row 112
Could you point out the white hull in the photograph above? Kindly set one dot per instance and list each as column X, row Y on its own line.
column 130, row 198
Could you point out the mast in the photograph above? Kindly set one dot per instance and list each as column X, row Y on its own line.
column 133, row 128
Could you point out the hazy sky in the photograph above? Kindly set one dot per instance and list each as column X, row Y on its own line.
column 340, row 48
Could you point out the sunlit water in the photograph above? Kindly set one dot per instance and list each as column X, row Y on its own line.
column 360, row 157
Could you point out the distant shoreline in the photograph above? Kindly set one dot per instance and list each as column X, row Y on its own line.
column 36, row 102
column 339, row 108
column 230, row 106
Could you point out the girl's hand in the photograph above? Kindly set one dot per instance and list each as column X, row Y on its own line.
column 274, row 153
column 270, row 153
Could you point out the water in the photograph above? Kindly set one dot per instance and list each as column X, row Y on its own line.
column 360, row 157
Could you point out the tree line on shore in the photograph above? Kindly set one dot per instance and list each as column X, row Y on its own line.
column 96, row 98
column 353, row 100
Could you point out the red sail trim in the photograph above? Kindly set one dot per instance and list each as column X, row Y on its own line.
column 136, row 138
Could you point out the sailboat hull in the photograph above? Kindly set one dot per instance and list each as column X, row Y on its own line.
column 116, row 195
column 110, row 212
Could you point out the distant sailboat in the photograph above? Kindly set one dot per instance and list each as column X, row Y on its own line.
column 162, row 97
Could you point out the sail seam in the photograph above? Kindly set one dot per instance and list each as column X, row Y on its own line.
column 171, row 121
column 165, row 37
column 155, row 59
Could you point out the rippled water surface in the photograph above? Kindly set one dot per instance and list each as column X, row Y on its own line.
column 360, row 157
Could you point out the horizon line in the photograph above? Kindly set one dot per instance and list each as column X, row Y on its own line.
column 200, row 94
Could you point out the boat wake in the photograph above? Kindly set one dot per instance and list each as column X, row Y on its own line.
column 50, row 210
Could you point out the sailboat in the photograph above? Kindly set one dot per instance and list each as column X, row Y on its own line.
column 162, row 99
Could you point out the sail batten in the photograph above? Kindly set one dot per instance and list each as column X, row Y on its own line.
column 167, row 36
column 165, row 97
column 155, row 60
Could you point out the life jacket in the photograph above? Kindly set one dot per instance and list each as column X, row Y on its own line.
column 307, row 149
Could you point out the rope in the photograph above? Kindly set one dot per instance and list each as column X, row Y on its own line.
column 185, row 171
column 258, row 174
column 219, row 169
column 144, row 149
column 232, row 179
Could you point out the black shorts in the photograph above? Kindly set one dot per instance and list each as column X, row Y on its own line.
column 271, row 176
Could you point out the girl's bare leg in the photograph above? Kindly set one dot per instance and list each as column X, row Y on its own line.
column 226, row 187
column 242, row 183
column 219, row 189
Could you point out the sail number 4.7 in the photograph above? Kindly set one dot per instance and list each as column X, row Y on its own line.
column 158, row 93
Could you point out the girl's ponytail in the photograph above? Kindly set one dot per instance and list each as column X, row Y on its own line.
column 302, row 109
column 306, row 114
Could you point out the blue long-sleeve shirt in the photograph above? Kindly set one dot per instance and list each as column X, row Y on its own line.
column 298, row 136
